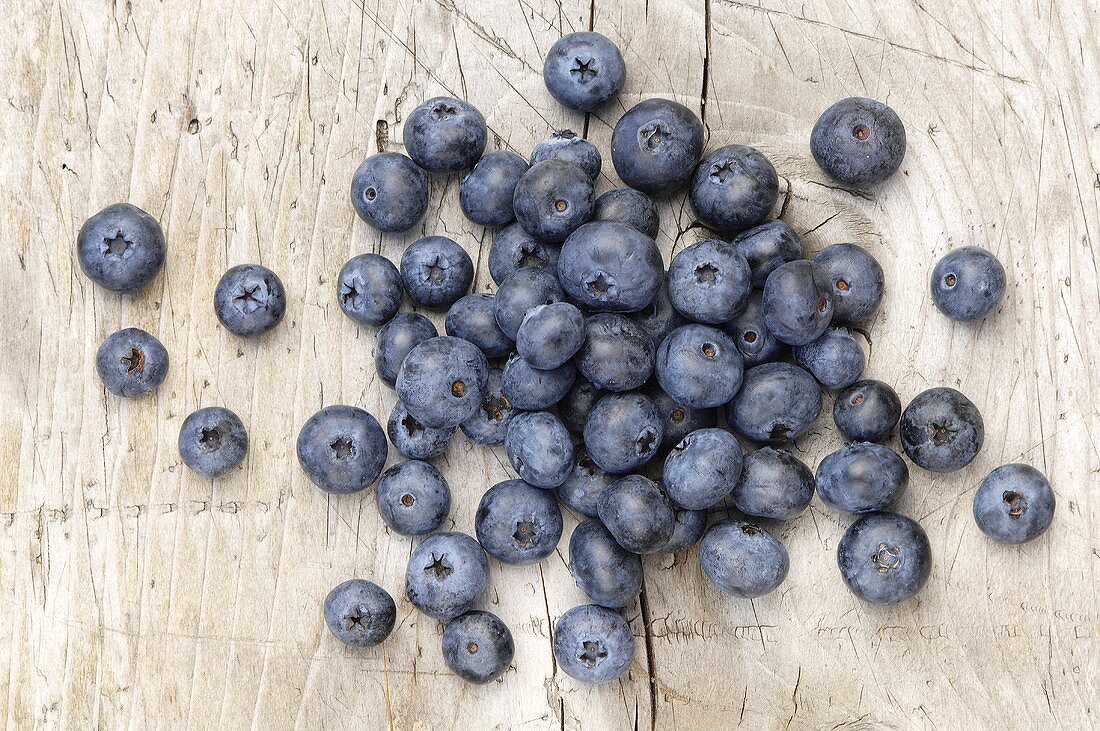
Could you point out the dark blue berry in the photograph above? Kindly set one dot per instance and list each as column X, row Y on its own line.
column 473, row 318
column 689, row 528
column 617, row 355
column 884, row 558
column 797, row 302
column 637, row 513
column 610, row 267
column 656, row 146
column 552, row 199
column 447, row 575
column 835, row 359
column 121, row 248
column 942, row 430
column 550, row 335
column 1014, row 504
column 575, row 406
column 213, row 441
column 486, row 191
column 249, row 300
column 857, row 282
column 582, row 489
column 489, row 424
column 609, row 574
column 774, row 485
column 395, row 339
column 517, row 523
column 413, row 439
column 442, row 381
column 360, row 613
column 436, row 271
column 659, row 317
column 752, row 337
column 858, row 141
column 766, row 247
column 623, row 431
column 566, row 145
column 968, row 283
column 513, row 249
column 445, row 135
column 678, row 420
column 413, row 498
column 369, row 289
column 539, row 448
column 478, row 646
column 867, row 411
column 699, row 366
column 131, row 362
column 709, row 282
column 743, row 559
column 702, row 469
column 520, row 293
column 584, row 70
column 530, row 389
column 862, row 478
column 734, row 188
column 629, row 206
column 389, row 191
column 593, row 644
column 342, row 449
column 777, row 402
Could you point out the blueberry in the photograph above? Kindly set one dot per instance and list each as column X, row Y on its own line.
column 797, row 302
column 752, row 337
column 593, row 644
column 610, row 267
column 777, row 402
column 637, row 513
column 584, row 70
column 699, row 366
column 623, row 431
column 734, row 188
column 436, row 271
column 478, row 646
column 774, row 485
column 609, row 574
column 702, row 469
column 566, row 145
column 413, row 498
column 369, row 289
column 862, row 478
column 413, row 439
column 689, row 528
column 342, row 449
column 526, row 289
column 552, row 199
column 629, row 206
column 582, row 489
column 529, row 389
column 743, row 559
column 857, row 281
column 884, row 558
column 249, row 300
column 447, row 575
column 360, row 613
column 575, row 406
column 473, row 318
column 858, row 141
column 539, row 448
column 389, row 191
column 766, row 247
column 486, row 191
column 942, row 430
column 659, row 317
column 617, row 354
column 1014, row 504
column 678, row 420
column 489, row 424
column 968, row 283
column 709, row 282
column 517, row 523
column 442, row 381
column 445, row 135
column 121, row 248
column 550, row 335
column 867, row 411
column 131, row 362
column 835, row 359
column 513, row 249
column 656, row 146
column 395, row 339
column 212, row 441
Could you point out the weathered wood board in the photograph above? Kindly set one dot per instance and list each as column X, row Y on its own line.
column 133, row 594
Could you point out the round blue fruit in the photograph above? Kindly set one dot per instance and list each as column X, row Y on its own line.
column 743, row 559
column 413, row 498
column 436, row 271
column 369, row 289
column 530, row 389
column 473, row 318
column 797, row 302
column 212, row 441
column 942, row 430
column 131, row 362
column 766, row 247
column 584, row 70
column 360, row 613
column 478, row 646
column 774, row 485
column 656, row 146
column 1014, row 504
column 517, row 523
column 968, row 284
column 734, row 188
column 835, row 359
column 445, row 135
column 489, row 424
column 884, row 558
column 513, row 249
column 867, row 411
column 623, row 431
column 610, row 267
column 607, row 573
column 629, row 206
column 709, row 282
column 752, row 337
column 447, row 575
column 413, row 439
column 566, row 145
column 582, row 489
column 857, row 282
column 699, row 366
column 862, row 478
column 121, row 248
column 342, row 449
column 390, row 192
column 552, row 199
column 593, row 644
column 442, row 381
column 703, row 469
column 637, row 513
column 539, row 448
column 486, row 192
column 249, row 300
column 617, row 355
column 395, row 339
column 550, row 335
column 858, row 141
column 520, row 293
column 678, row 420
column 777, row 402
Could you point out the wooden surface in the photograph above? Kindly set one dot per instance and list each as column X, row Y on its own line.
column 134, row 594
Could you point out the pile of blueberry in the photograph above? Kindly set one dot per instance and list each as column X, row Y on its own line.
column 609, row 381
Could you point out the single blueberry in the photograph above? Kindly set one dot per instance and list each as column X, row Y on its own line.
column 442, row 381
column 699, row 366
column 702, row 469
column 709, row 282
column 360, row 613
column 617, row 355
column 734, row 188
column 752, row 337
column 584, row 70
column 593, row 644
column 517, row 523
column 766, row 247
column 395, row 339
column 659, row 317
column 862, row 478
column 858, row 141
column 1014, row 504
column 629, row 206
column 413, row 498
column 121, row 248
column 447, row 575
column 445, row 135
column 575, row 406
column 513, row 249
column 656, row 146
column 835, row 359
column 249, row 300
column 609, row 574
column 550, row 335
column 582, row 489
column 884, row 558
column 777, row 402
column 473, row 318
column 539, row 448
column 389, row 191
column 942, row 430
column 486, row 192
column 623, row 431
column 213, row 441
column 520, row 293
column 552, row 199
column 478, row 646
column 743, row 559
column 637, row 513
column 610, row 267
column 857, row 281
column 131, row 362
column 689, row 528
column 436, row 271
column 774, row 485
column 342, row 449
column 566, row 145
column 797, row 302
column 867, row 411
column 489, row 424
column 369, row 289
column 968, row 283
column 530, row 389
column 678, row 420
column 413, row 439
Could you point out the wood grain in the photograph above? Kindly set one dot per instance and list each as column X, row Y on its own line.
column 137, row 595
